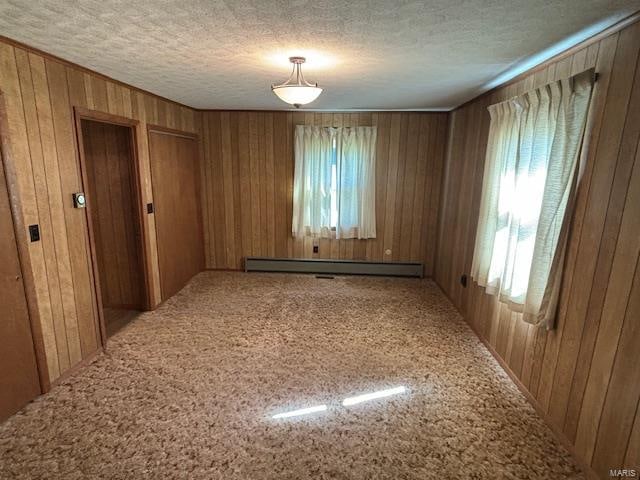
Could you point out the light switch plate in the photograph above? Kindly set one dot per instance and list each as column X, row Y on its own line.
column 34, row 233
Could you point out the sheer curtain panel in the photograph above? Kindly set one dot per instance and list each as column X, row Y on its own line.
column 314, row 154
column 529, row 184
column 356, row 183
column 334, row 182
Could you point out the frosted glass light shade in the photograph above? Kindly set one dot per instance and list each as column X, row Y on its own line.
column 297, row 94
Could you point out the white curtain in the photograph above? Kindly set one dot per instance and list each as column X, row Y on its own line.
column 528, row 192
column 351, row 151
column 314, row 154
column 356, row 183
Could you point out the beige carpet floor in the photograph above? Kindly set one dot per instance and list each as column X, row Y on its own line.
column 188, row 391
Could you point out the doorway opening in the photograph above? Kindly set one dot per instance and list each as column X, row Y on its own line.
column 114, row 212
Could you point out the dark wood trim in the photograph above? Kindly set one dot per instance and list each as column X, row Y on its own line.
column 104, row 117
column 22, row 242
column 160, row 303
column 77, row 367
column 126, row 306
column 311, row 110
column 155, row 232
column 171, row 131
column 208, row 269
column 95, row 277
column 133, row 126
column 86, row 114
column 624, row 23
column 141, row 214
column 95, row 294
column 55, row 58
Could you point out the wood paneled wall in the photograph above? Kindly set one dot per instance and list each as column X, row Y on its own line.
column 248, row 186
column 583, row 375
column 40, row 93
column 113, row 207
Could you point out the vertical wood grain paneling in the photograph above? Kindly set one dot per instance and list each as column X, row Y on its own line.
column 20, row 153
column 40, row 93
column 579, row 373
column 248, row 186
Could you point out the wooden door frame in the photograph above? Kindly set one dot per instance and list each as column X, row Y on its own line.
column 80, row 114
column 152, row 128
column 22, row 244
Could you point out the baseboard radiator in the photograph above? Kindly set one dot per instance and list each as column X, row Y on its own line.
column 335, row 267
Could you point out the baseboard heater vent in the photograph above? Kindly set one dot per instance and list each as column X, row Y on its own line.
column 328, row 267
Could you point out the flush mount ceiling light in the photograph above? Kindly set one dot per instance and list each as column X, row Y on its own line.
column 296, row 90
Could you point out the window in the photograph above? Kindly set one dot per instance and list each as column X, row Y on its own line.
column 334, row 182
column 529, row 183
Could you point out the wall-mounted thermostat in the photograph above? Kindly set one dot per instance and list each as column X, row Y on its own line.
column 79, row 200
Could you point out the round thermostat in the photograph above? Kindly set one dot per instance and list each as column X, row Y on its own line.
column 79, row 200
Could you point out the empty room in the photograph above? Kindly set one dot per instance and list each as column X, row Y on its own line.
column 320, row 240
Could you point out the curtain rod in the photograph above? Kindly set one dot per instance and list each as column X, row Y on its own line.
column 595, row 78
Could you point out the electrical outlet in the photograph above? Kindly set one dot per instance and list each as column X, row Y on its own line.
column 315, row 249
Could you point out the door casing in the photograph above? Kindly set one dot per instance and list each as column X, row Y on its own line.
column 134, row 125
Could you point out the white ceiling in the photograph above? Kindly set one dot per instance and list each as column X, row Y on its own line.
column 369, row 54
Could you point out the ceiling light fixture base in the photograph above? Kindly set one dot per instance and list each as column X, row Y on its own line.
column 296, row 90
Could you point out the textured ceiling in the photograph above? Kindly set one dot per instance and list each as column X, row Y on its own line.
column 370, row 54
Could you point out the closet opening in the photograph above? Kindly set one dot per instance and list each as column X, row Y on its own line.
column 112, row 189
